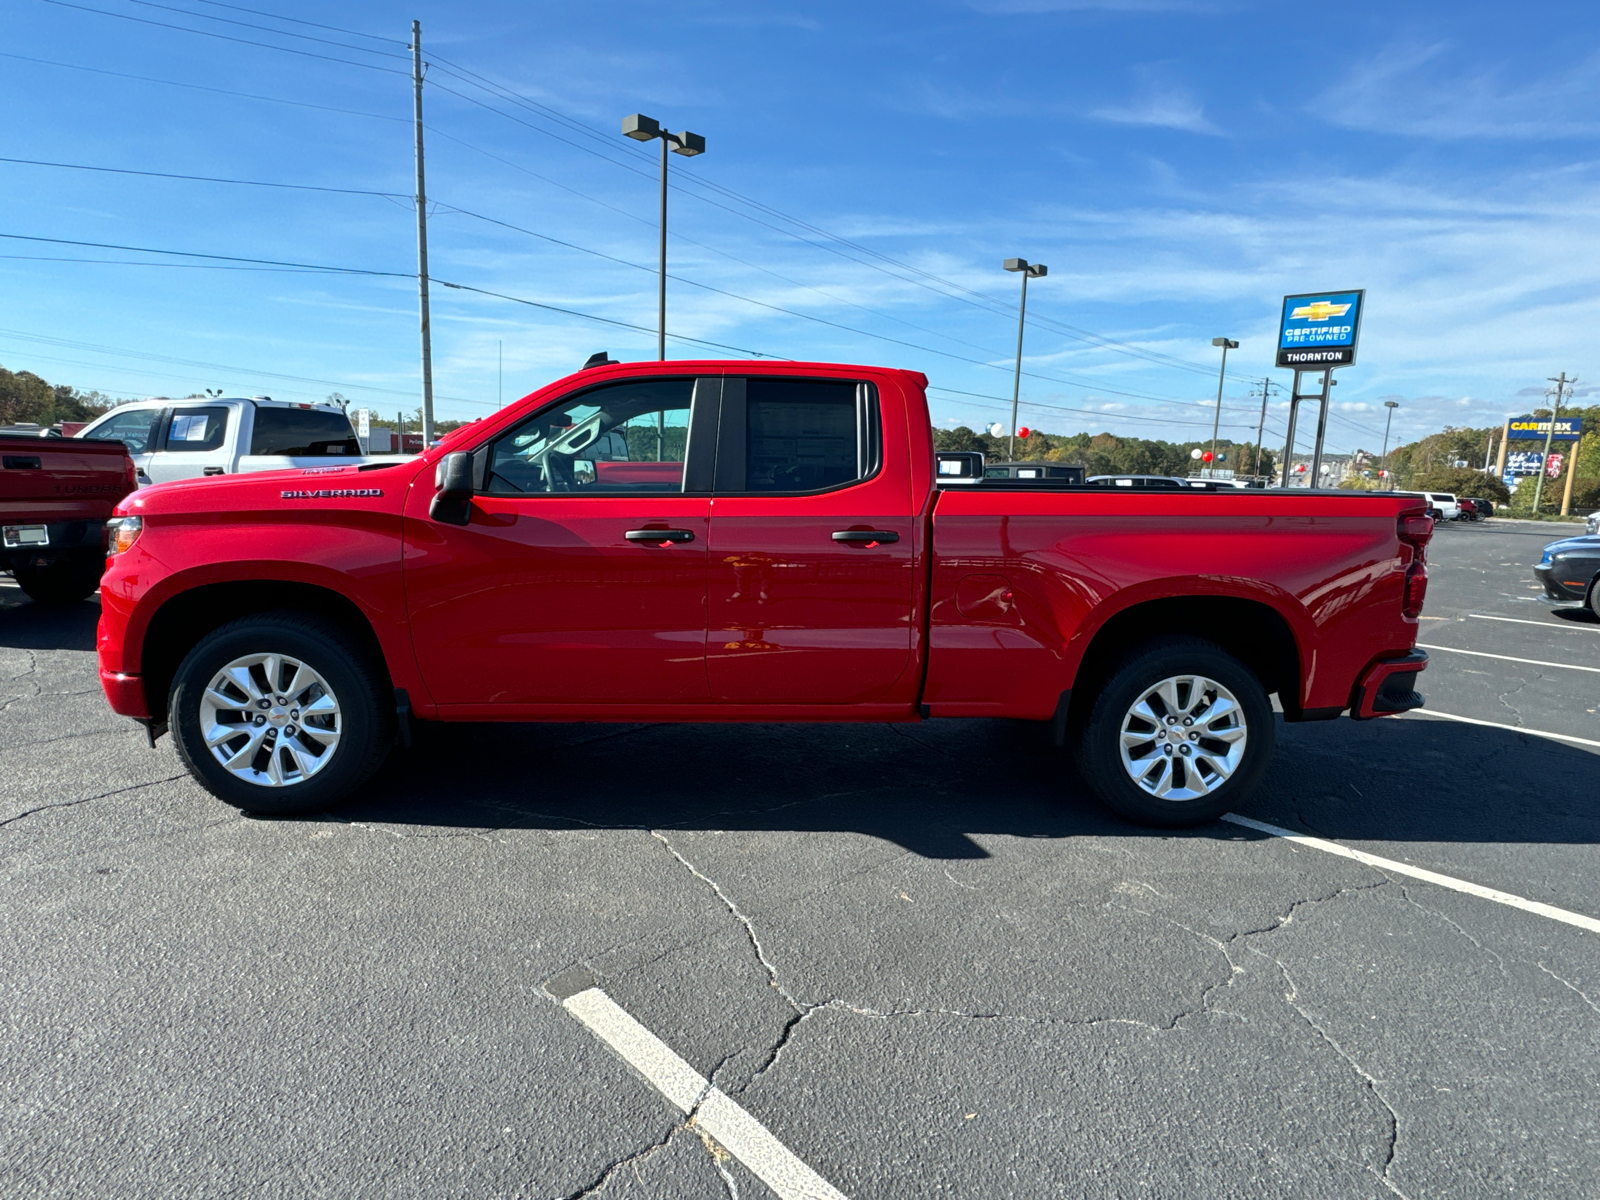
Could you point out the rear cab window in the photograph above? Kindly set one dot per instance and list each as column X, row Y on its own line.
column 302, row 433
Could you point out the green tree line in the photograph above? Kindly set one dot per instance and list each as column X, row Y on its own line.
column 1108, row 454
column 25, row 398
column 1429, row 464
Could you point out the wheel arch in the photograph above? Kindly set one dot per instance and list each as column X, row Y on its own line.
column 190, row 615
column 1252, row 630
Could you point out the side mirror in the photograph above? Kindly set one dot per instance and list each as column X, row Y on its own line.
column 452, row 502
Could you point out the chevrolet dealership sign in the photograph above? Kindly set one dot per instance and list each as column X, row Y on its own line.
column 1320, row 330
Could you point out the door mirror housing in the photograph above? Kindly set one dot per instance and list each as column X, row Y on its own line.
column 452, row 502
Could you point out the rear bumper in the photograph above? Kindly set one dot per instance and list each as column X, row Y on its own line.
column 1389, row 687
column 125, row 693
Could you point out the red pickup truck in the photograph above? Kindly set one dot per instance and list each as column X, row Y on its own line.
column 736, row 541
column 55, row 496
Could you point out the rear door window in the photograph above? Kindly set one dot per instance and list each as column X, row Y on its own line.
column 797, row 435
column 302, row 433
column 196, row 429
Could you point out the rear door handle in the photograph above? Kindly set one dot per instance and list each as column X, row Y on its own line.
column 659, row 536
column 213, row 471
column 865, row 535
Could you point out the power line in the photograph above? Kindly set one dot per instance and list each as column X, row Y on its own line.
column 262, row 28
column 349, row 112
column 223, row 36
column 269, row 262
column 297, row 21
column 300, row 187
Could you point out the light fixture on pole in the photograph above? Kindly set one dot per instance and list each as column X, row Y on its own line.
column 1388, row 475
column 1216, row 420
column 642, row 129
column 1029, row 271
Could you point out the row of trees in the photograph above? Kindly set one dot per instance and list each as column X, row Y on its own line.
column 1106, row 453
column 25, row 398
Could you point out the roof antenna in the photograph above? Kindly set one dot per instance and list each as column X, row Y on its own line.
column 602, row 359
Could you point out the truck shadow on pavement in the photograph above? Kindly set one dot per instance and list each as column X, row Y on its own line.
column 936, row 789
column 25, row 625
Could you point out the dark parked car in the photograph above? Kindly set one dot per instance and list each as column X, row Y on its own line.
column 1570, row 571
column 1475, row 509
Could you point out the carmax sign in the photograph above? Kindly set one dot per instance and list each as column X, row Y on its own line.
column 1530, row 429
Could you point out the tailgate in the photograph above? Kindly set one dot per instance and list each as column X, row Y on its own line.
column 61, row 479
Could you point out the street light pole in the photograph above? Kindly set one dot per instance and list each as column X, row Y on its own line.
column 1028, row 271
column 1216, row 420
column 1388, row 475
column 643, row 129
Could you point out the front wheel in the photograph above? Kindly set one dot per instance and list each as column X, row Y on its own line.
column 1181, row 732
column 280, row 714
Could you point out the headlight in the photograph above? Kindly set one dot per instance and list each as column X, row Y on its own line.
column 122, row 533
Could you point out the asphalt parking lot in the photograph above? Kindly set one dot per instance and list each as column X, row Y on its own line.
column 919, row 957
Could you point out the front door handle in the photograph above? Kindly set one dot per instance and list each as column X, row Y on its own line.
column 865, row 535
column 660, row 536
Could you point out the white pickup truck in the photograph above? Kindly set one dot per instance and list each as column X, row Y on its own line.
column 226, row 435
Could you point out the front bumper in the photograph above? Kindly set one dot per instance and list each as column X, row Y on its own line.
column 1389, row 687
column 125, row 693
column 1559, row 590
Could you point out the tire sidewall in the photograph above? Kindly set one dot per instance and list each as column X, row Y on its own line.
column 1100, row 756
column 361, row 718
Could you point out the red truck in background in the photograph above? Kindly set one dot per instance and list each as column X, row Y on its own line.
column 55, row 497
column 736, row 541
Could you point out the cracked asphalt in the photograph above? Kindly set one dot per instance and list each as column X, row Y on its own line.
column 919, row 955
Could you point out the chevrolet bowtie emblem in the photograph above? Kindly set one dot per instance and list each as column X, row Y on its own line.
column 1319, row 311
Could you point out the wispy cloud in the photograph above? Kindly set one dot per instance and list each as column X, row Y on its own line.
column 1164, row 105
column 1412, row 90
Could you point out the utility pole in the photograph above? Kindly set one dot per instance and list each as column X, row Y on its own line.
column 1255, row 467
column 1555, row 411
column 422, row 241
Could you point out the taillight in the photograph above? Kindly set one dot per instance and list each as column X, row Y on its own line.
column 1416, row 590
column 1416, row 532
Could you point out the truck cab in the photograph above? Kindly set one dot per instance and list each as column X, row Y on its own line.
column 188, row 439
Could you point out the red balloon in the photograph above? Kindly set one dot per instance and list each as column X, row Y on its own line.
column 1023, row 432
column 1206, row 457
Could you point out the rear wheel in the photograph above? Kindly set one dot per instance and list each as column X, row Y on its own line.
column 280, row 714
column 1594, row 596
column 64, row 580
column 1181, row 732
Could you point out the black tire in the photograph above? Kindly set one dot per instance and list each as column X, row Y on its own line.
column 1099, row 740
column 1594, row 597
column 64, row 580
column 363, row 695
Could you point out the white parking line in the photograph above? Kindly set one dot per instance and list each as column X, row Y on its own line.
column 1542, row 624
column 1557, row 737
column 1400, row 868
column 1532, row 662
column 690, row 1092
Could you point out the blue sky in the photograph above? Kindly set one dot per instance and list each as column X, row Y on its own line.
column 1178, row 165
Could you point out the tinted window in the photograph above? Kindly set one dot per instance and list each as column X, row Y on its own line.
column 131, row 428
column 196, row 429
column 628, row 437
column 302, row 432
column 801, row 435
